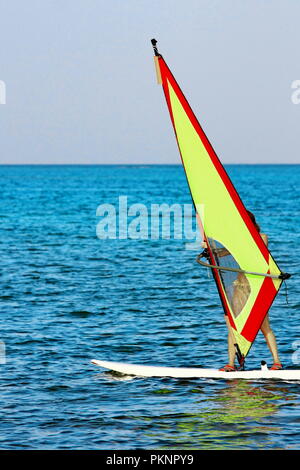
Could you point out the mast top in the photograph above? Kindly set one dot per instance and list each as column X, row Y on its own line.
column 154, row 42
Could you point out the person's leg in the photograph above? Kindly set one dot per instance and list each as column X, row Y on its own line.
column 231, row 348
column 270, row 339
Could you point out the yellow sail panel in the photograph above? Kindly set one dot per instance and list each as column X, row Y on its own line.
column 208, row 189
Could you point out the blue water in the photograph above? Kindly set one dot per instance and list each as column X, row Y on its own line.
column 68, row 297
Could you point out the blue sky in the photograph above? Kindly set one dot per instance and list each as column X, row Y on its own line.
column 81, row 87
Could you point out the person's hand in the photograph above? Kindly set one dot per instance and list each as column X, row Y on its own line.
column 204, row 245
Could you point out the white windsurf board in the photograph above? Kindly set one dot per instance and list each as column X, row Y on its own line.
column 181, row 372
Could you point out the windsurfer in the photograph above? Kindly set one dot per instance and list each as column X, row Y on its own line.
column 240, row 295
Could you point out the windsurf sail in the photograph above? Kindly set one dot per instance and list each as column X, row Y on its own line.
column 247, row 277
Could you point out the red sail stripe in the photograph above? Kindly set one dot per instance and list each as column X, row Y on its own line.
column 214, row 271
column 267, row 291
column 261, row 306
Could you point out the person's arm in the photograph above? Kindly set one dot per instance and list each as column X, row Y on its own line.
column 218, row 251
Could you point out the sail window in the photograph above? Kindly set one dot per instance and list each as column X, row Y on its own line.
column 236, row 285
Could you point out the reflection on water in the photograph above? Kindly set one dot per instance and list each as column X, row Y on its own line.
column 233, row 418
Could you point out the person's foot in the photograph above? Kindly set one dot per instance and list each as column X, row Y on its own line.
column 276, row 366
column 228, row 368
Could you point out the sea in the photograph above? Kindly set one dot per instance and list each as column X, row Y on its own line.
column 78, row 283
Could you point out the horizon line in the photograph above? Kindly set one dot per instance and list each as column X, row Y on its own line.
column 140, row 164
